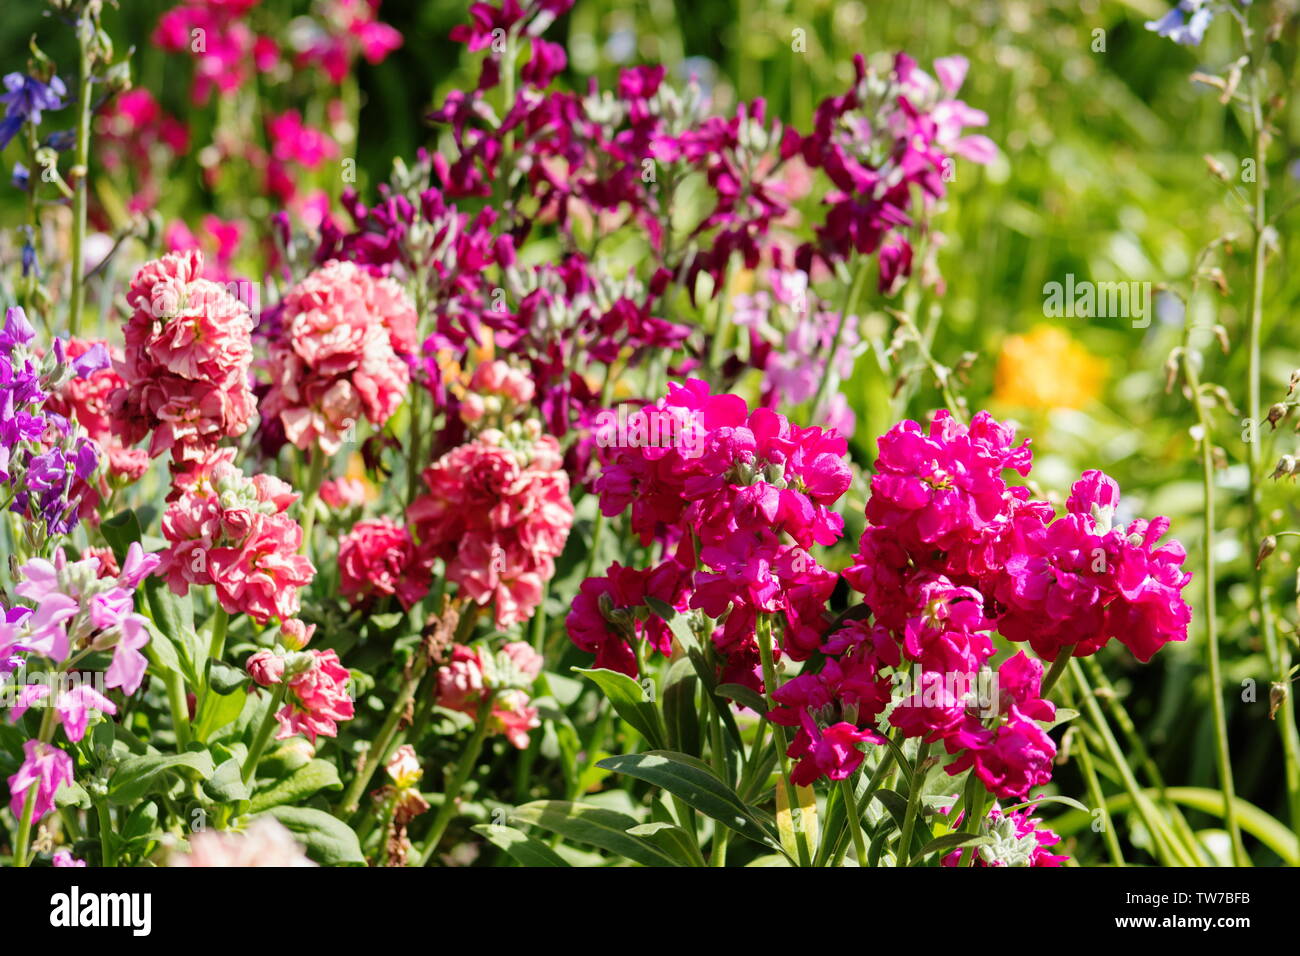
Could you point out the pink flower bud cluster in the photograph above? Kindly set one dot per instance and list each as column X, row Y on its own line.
column 469, row 675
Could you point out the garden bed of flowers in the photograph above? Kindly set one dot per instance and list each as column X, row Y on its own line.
column 611, row 456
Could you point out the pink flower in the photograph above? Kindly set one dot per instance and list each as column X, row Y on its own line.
column 186, row 364
column 462, row 682
column 343, row 493
column 1019, row 840
column 261, row 576
column 45, row 767
column 339, row 356
column 64, row 858
column 266, row 668
column 264, row 843
column 73, row 706
column 318, row 699
column 377, row 559
column 499, row 517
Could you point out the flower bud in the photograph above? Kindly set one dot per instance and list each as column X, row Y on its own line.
column 1266, row 547
column 266, row 668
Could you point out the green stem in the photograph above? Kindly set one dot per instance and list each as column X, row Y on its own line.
column 105, row 832
column 180, row 709
column 79, row 173
column 1209, row 584
column 383, row 741
column 919, row 772
column 459, row 778
column 1057, row 669
column 855, row 821
column 314, row 477
column 763, row 632
column 1116, row 754
column 1274, row 649
column 263, row 735
column 21, row 857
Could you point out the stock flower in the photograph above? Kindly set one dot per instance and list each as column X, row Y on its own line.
column 377, row 559
column 44, row 767
column 230, row 531
column 467, row 677
column 339, row 355
column 64, row 858
column 186, row 363
column 78, row 608
column 73, row 706
column 318, row 697
column 497, row 511
column 1017, row 839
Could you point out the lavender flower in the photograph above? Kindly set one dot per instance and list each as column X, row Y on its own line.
column 26, row 98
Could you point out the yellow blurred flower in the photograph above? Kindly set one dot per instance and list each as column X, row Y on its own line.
column 1047, row 369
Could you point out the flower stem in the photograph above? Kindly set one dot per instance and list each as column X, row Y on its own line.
column 851, row 296
column 105, row 832
column 79, row 172
column 763, row 633
column 1222, row 754
column 855, row 821
column 459, row 777
column 1275, row 651
column 314, row 477
column 263, row 733
column 383, row 741
column 1057, row 669
column 914, row 789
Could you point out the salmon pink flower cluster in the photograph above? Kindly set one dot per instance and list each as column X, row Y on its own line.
column 230, row 531
column 497, row 512
column 377, row 559
column 339, row 355
column 474, row 676
column 186, row 363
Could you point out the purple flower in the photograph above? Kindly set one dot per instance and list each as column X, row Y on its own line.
column 1176, row 25
column 26, row 98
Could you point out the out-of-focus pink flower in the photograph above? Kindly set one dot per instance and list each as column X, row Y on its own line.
column 343, row 493
column 264, row 843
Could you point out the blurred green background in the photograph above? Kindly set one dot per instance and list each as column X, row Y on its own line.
column 1102, row 175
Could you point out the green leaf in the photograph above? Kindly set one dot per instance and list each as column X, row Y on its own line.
column 121, row 531
column 681, row 715
column 594, row 826
column 226, row 785
column 225, row 679
column 695, row 783
column 142, row 824
column 745, row 696
column 329, row 841
column 308, row 779
column 949, row 841
column 174, row 617
column 220, row 710
column 629, row 701
column 136, row 776
column 529, row 851
column 677, row 623
column 673, row 840
column 1068, row 801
